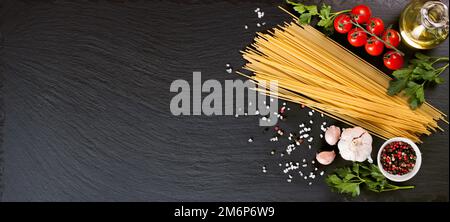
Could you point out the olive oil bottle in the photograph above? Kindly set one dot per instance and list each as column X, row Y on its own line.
column 424, row 24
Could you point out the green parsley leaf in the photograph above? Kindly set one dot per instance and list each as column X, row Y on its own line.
column 396, row 86
column 439, row 80
column 348, row 177
column 325, row 11
column 300, row 9
column 342, row 172
column 413, row 102
column 420, row 94
column 305, row 18
column 421, row 56
column 348, row 188
column 333, row 180
column 402, row 73
column 312, row 9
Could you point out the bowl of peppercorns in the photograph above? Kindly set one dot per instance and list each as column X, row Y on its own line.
column 399, row 159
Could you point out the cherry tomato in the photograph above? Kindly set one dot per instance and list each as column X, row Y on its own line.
column 374, row 47
column 375, row 26
column 393, row 60
column 357, row 37
column 392, row 37
column 361, row 14
column 343, row 23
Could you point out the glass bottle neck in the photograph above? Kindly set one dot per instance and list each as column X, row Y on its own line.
column 434, row 15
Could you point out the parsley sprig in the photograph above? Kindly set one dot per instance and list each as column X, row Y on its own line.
column 348, row 180
column 307, row 12
column 420, row 73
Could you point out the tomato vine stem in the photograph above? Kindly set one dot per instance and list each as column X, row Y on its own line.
column 378, row 38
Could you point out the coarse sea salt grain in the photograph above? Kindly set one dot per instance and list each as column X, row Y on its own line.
column 250, row 140
column 260, row 14
column 289, row 180
column 321, row 173
column 246, row 27
column 258, row 25
column 311, row 122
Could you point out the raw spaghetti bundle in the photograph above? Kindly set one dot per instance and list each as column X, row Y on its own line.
column 314, row 70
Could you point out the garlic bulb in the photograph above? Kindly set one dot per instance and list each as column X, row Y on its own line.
column 332, row 135
column 325, row 157
column 355, row 144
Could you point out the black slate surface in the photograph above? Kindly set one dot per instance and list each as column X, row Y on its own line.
column 85, row 101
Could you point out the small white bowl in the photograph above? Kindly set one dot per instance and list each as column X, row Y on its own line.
column 401, row 178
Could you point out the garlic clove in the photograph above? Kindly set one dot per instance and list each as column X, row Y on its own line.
column 325, row 157
column 332, row 135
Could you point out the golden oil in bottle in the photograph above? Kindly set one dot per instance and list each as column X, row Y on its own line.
column 424, row 24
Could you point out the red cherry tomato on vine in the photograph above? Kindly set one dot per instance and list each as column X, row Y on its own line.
column 343, row 23
column 375, row 26
column 361, row 14
column 393, row 60
column 357, row 37
column 392, row 37
column 374, row 47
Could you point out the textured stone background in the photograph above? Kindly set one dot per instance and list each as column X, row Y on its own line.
column 85, row 101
